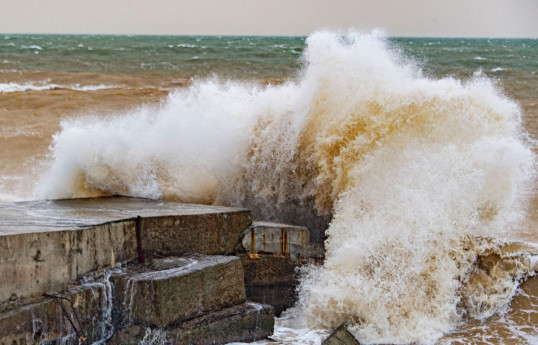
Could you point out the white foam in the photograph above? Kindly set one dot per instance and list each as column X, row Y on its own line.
column 534, row 263
column 291, row 336
column 186, row 45
column 45, row 85
column 33, row 46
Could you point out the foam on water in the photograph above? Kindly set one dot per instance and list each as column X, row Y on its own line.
column 414, row 171
column 46, row 85
column 292, row 336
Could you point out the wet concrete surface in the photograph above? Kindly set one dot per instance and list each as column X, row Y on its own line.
column 55, row 215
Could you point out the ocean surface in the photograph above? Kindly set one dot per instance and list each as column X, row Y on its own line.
column 418, row 155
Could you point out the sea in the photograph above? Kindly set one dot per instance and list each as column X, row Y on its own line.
column 412, row 159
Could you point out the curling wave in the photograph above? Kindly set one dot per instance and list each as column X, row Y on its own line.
column 414, row 173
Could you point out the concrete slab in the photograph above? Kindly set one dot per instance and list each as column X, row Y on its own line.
column 245, row 322
column 271, row 280
column 73, row 214
column 264, row 238
column 45, row 321
column 175, row 289
column 341, row 336
column 44, row 245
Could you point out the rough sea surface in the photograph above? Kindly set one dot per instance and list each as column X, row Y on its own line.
column 417, row 154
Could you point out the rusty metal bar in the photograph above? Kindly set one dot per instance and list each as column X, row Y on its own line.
column 80, row 333
column 138, row 227
column 252, row 241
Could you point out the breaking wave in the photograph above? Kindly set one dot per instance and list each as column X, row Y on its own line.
column 415, row 173
column 46, row 85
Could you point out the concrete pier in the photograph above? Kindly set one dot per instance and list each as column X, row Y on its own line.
column 175, row 264
column 44, row 245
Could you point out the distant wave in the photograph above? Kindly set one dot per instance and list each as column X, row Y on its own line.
column 184, row 45
column 33, row 46
column 44, row 86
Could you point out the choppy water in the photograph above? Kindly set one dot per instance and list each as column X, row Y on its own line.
column 416, row 148
column 235, row 57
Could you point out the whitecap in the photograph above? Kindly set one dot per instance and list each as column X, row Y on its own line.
column 43, row 86
column 186, row 45
column 33, row 46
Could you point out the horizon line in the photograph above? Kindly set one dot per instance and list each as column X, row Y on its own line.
column 260, row 36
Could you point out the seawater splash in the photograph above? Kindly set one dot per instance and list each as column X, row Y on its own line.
column 414, row 172
column 106, row 327
column 157, row 336
column 128, row 302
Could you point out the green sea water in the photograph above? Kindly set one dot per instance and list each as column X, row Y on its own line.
column 246, row 57
column 230, row 57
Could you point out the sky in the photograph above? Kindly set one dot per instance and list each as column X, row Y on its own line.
column 431, row 18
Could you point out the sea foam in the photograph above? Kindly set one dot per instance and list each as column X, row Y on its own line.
column 46, row 85
column 414, row 172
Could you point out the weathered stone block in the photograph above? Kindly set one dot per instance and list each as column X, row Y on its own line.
column 44, row 321
column 44, row 245
column 276, row 239
column 270, row 280
column 246, row 322
column 242, row 323
column 279, row 296
column 210, row 233
column 341, row 336
column 46, row 262
column 172, row 290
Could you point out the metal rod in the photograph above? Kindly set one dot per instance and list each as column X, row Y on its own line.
column 57, row 299
column 138, row 227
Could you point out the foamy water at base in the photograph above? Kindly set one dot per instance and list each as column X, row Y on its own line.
column 515, row 327
column 426, row 180
column 284, row 335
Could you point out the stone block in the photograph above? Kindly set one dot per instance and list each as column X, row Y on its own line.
column 263, row 238
column 44, row 321
column 279, row 296
column 46, row 262
column 242, row 323
column 245, row 322
column 212, row 233
column 45, row 245
column 172, row 290
column 271, row 280
column 341, row 336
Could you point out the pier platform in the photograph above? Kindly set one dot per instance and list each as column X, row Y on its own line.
column 44, row 245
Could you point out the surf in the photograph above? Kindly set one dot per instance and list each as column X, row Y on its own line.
column 410, row 174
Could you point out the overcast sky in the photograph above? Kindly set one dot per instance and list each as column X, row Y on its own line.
column 453, row 18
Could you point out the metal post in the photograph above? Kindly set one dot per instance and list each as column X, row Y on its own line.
column 138, row 225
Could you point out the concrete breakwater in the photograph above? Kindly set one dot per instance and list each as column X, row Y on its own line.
column 124, row 270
